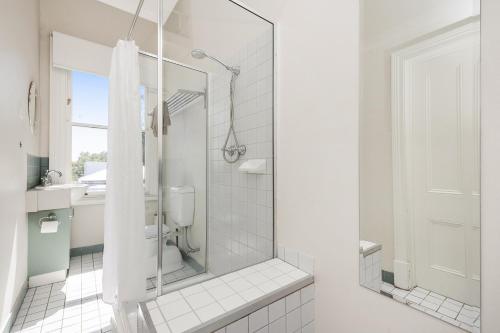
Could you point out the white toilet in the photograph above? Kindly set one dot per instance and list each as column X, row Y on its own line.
column 172, row 259
column 181, row 212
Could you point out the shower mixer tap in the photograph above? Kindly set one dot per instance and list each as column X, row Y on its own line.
column 231, row 150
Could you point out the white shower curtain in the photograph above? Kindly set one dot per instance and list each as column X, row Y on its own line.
column 124, row 277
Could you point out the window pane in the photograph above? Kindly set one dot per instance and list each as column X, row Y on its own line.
column 89, row 155
column 89, row 98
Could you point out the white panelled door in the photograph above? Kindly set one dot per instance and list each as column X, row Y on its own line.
column 443, row 89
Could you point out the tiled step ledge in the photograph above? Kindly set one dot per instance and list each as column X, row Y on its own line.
column 214, row 304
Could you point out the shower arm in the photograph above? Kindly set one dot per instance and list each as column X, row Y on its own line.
column 234, row 70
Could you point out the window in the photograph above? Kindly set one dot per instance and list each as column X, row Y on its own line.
column 89, row 127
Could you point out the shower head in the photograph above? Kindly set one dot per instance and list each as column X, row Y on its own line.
column 200, row 54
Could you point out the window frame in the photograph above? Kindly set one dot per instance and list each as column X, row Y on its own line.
column 90, row 192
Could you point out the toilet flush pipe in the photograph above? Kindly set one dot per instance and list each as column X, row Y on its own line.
column 186, row 239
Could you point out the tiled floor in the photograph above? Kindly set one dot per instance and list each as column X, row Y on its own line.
column 191, row 268
column 181, row 310
column 74, row 305
column 456, row 313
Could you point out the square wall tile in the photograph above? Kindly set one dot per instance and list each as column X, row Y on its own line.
column 240, row 326
column 277, row 310
column 292, row 301
column 258, row 319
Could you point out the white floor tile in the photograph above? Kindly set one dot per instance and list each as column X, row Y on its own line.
column 450, row 320
column 297, row 275
column 168, row 298
column 466, row 320
column 221, row 291
column 451, row 306
column 230, row 277
column 469, row 313
column 271, row 273
column 240, row 284
column 400, row 292
column 199, row 300
column 413, row 299
column 386, row 287
column 251, row 294
column 212, row 283
column 466, row 327
column 174, row 309
column 269, row 286
column 448, row 312
column 257, row 278
column 429, row 305
column 232, row 302
column 192, row 290
column 420, row 293
column 434, row 300
column 283, row 280
column 209, row 312
column 183, row 323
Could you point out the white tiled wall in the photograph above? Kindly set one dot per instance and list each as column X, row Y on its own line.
column 240, row 204
column 292, row 314
column 370, row 270
column 298, row 259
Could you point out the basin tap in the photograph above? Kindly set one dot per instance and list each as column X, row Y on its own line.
column 47, row 180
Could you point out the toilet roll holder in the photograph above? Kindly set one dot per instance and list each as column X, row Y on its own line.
column 51, row 217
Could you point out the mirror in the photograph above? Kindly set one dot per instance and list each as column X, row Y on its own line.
column 32, row 96
column 420, row 155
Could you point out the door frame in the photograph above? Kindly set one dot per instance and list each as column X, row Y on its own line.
column 402, row 62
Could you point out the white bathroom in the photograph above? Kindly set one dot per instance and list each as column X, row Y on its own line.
column 243, row 166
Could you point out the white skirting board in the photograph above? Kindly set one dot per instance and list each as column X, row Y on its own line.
column 43, row 279
column 7, row 324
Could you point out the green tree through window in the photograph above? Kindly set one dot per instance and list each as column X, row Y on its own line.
column 78, row 165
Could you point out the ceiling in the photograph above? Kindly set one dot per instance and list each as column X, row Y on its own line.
column 270, row 9
column 149, row 9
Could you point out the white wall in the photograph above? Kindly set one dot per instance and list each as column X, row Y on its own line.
column 317, row 179
column 87, row 226
column 326, row 196
column 384, row 30
column 18, row 66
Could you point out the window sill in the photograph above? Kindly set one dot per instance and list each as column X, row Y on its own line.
column 100, row 198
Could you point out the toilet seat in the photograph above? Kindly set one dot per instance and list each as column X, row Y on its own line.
column 151, row 231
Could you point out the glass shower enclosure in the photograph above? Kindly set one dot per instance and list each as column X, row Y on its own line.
column 208, row 149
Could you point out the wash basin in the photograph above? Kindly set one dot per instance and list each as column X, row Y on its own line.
column 54, row 196
column 77, row 190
